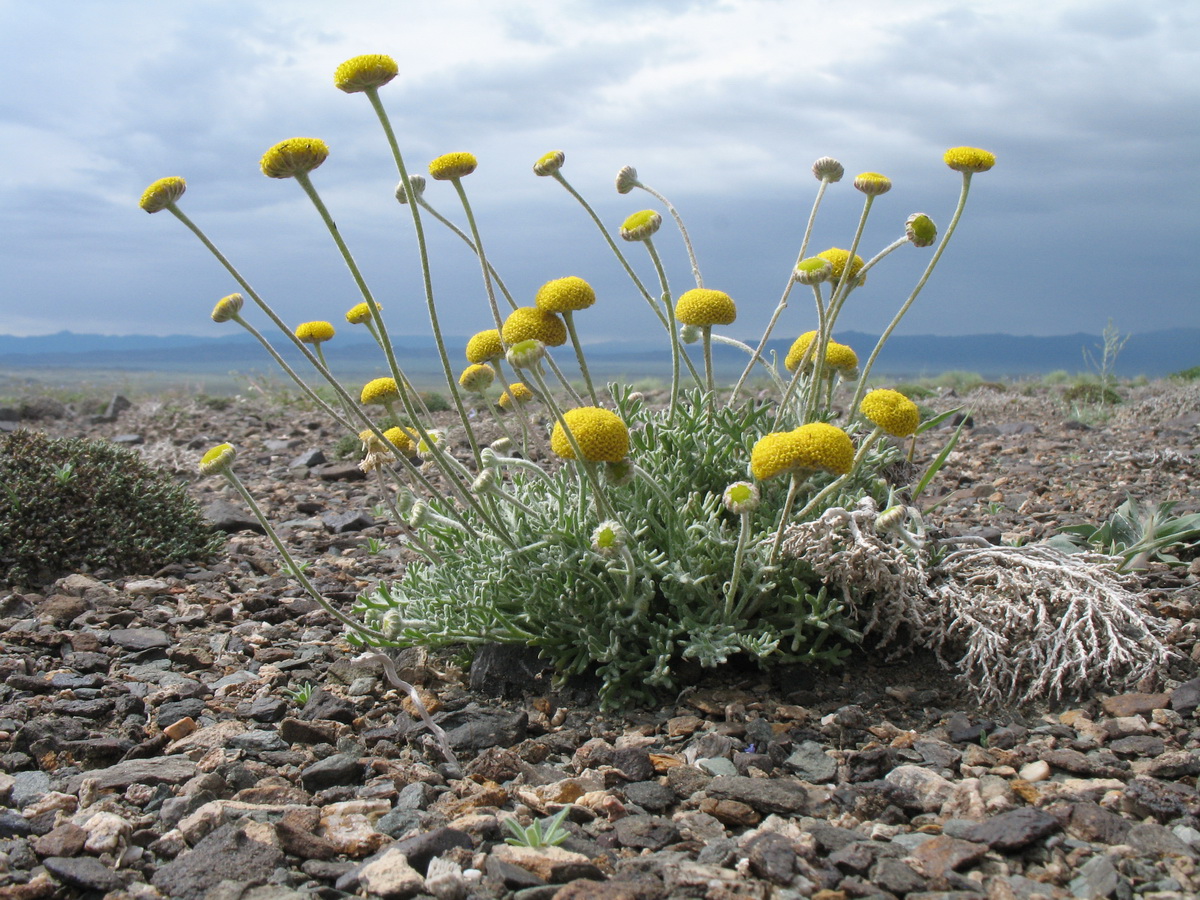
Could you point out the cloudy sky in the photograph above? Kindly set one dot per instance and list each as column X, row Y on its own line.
column 1092, row 108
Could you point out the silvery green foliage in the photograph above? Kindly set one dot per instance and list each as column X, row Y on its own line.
column 585, row 610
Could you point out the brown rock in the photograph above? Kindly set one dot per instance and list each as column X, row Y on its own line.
column 940, row 855
column 1135, row 704
column 551, row 864
column 730, row 812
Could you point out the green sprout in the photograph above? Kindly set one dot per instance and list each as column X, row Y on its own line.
column 302, row 694
column 1136, row 533
column 534, row 835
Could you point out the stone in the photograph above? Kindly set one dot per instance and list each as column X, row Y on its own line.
column 477, row 727
column 810, row 762
column 1152, row 839
column 772, row 857
column 1135, row 704
column 222, row 515
column 730, row 812
column 645, row 832
column 345, row 522
column 940, row 855
column 1097, row 877
column 1095, row 824
column 930, row 788
column 248, row 854
column 1186, row 697
column 649, row 795
column 338, row 769
column 552, row 865
column 766, row 795
column 65, row 840
column 85, row 873
column 158, row 770
column 1013, row 830
column 421, row 848
column 389, row 875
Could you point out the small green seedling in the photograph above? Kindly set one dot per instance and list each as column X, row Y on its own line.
column 533, row 836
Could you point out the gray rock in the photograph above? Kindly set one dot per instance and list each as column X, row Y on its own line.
column 1152, row 839
column 159, row 770
column 1014, row 829
column 324, row 705
column 771, row 857
column 1095, row 824
column 646, row 832
column 342, row 523
column 339, row 769
column 477, row 727
column 222, row 515
column 766, row 795
column 84, row 872
column 507, row 670
column 897, row 876
column 1097, row 877
column 308, row 459
column 1186, row 697
column 811, row 763
column 649, row 795
column 28, row 787
column 137, row 640
column 421, row 848
column 633, row 764
column 242, row 859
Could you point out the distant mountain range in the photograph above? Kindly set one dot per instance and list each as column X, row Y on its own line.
column 1152, row 354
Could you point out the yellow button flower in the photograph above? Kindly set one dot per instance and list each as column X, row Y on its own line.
column 641, row 225
column 403, row 440
column 891, row 411
column 314, row 332
column 813, row 270
column 218, row 459
column 372, row 70
column 162, row 194
column 450, row 166
column 549, row 163
column 969, row 159
column 601, row 435
column 360, row 313
column 873, row 184
column 773, row 454
column 837, row 256
column 823, row 446
column 564, row 295
column 841, row 359
column 380, row 390
column 477, row 378
column 703, row 307
column 295, row 156
column 228, row 307
column 484, row 346
column 518, row 392
column 530, row 323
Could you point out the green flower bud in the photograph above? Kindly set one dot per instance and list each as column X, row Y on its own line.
column 920, row 230
column 609, row 538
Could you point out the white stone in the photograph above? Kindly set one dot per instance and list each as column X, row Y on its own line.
column 106, row 833
column 1039, row 770
column 930, row 788
column 391, row 876
column 444, row 879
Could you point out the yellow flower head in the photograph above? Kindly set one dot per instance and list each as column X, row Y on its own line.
column 774, row 454
column 360, row 313
column 380, row 390
column 837, row 256
column 403, row 440
column 564, row 295
column 627, row 179
column 370, row 442
column 518, row 392
column 314, row 332
column 601, row 435
column 920, row 230
column 641, row 225
column 838, row 357
column 295, row 156
column 526, row 322
column 450, row 166
column 841, row 359
column 813, row 270
column 703, row 307
column 477, row 378
column 372, row 70
column 873, row 184
column 891, row 411
column 798, row 349
column 824, row 446
column 969, row 159
column 228, row 307
column 828, row 169
column 218, row 459
column 162, row 193
column 484, row 346
column 549, row 163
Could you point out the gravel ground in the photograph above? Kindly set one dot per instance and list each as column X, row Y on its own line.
column 149, row 746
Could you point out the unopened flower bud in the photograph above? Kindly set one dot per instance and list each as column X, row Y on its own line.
column 416, row 182
column 228, row 307
column 391, row 624
column 741, row 497
column 813, row 270
column 627, row 180
column 484, row 481
column 828, row 169
column 619, row 473
column 503, row 446
column 689, row 334
column 873, row 184
column 526, row 354
column 219, row 459
column 890, row 519
column 418, row 515
column 549, row 163
column 609, row 538
column 920, row 230
column 641, row 225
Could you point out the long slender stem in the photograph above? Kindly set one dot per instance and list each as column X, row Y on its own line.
column 467, row 240
column 933, row 261
column 569, row 319
column 739, row 557
column 687, row 241
column 478, row 242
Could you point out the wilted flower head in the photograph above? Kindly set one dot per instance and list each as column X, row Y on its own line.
column 314, row 332
column 873, row 184
column 920, row 230
column 549, row 163
column 641, row 225
column 360, row 313
column 450, row 166
column 969, row 159
column 828, row 169
column 162, row 193
column 703, row 307
column 813, row 270
column 527, row 322
column 891, row 411
column 600, row 434
column 380, row 390
column 218, row 459
column 741, row 497
column 627, row 179
column 372, row 70
column 484, row 346
column 609, row 537
column 228, row 307
column 416, row 182
column 293, row 157
column 564, row 295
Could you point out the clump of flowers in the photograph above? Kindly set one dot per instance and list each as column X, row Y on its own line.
column 652, row 537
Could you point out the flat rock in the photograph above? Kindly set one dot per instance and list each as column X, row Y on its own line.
column 767, row 795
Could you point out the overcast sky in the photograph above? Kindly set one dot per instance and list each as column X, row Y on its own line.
column 1091, row 107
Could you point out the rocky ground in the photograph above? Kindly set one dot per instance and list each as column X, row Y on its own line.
column 150, row 746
